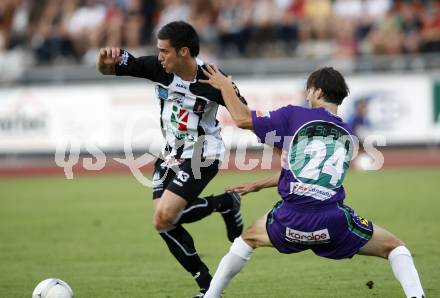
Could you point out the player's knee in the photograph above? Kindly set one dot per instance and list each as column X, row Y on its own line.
column 162, row 220
column 160, row 223
column 390, row 245
column 157, row 223
column 250, row 237
column 250, row 240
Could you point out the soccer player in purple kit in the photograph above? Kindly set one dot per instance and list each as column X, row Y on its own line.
column 317, row 148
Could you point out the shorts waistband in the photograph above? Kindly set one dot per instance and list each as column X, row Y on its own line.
column 312, row 208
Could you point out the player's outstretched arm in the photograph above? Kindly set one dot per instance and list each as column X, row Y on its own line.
column 255, row 186
column 107, row 59
column 239, row 111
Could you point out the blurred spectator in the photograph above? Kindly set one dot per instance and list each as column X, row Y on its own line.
column 73, row 30
column 430, row 32
column 377, row 8
column 317, row 19
column 50, row 37
column 289, row 23
column 386, row 37
column 233, row 25
column 172, row 10
column 88, row 23
column 8, row 8
column 359, row 122
column 19, row 24
column 140, row 20
column 360, row 125
column 352, row 9
column 410, row 25
column 348, row 15
column 265, row 17
column 202, row 15
column 345, row 42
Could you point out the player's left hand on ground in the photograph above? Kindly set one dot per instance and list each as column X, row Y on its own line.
column 244, row 188
column 215, row 77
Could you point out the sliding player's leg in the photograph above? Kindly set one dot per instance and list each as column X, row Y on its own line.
column 385, row 245
column 239, row 253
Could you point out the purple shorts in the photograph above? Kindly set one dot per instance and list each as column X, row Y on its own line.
column 333, row 231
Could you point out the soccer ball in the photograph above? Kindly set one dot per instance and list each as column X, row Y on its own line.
column 52, row 288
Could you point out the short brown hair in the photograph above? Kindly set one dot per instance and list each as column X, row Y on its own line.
column 331, row 82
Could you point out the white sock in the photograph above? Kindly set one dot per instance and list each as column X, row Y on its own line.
column 232, row 263
column 405, row 272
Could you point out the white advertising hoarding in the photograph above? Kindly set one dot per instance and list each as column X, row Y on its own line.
column 398, row 107
column 40, row 118
column 105, row 117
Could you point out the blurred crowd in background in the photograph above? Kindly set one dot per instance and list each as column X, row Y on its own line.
column 63, row 31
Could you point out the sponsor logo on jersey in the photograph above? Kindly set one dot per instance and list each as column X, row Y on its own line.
column 363, row 221
column 180, row 135
column 179, row 118
column 162, row 92
column 124, row 60
column 181, row 86
column 178, row 97
column 315, row 191
column 315, row 237
column 199, row 106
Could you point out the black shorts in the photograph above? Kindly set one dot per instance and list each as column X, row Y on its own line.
column 182, row 183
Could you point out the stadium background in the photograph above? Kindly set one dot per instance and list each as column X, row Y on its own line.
column 94, row 230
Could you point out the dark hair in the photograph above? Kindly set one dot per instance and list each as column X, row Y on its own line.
column 181, row 34
column 331, row 82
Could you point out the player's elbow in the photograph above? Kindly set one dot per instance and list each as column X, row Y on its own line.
column 244, row 121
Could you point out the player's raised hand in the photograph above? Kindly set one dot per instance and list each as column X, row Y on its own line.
column 244, row 188
column 107, row 59
column 215, row 77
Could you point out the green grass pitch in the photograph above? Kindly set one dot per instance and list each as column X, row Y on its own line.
column 95, row 232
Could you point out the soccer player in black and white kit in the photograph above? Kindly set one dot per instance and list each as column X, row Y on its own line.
column 192, row 133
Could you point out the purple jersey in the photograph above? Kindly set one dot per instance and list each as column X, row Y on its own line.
column 319, row 147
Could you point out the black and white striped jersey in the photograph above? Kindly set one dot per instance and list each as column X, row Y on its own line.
column 188, row 109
